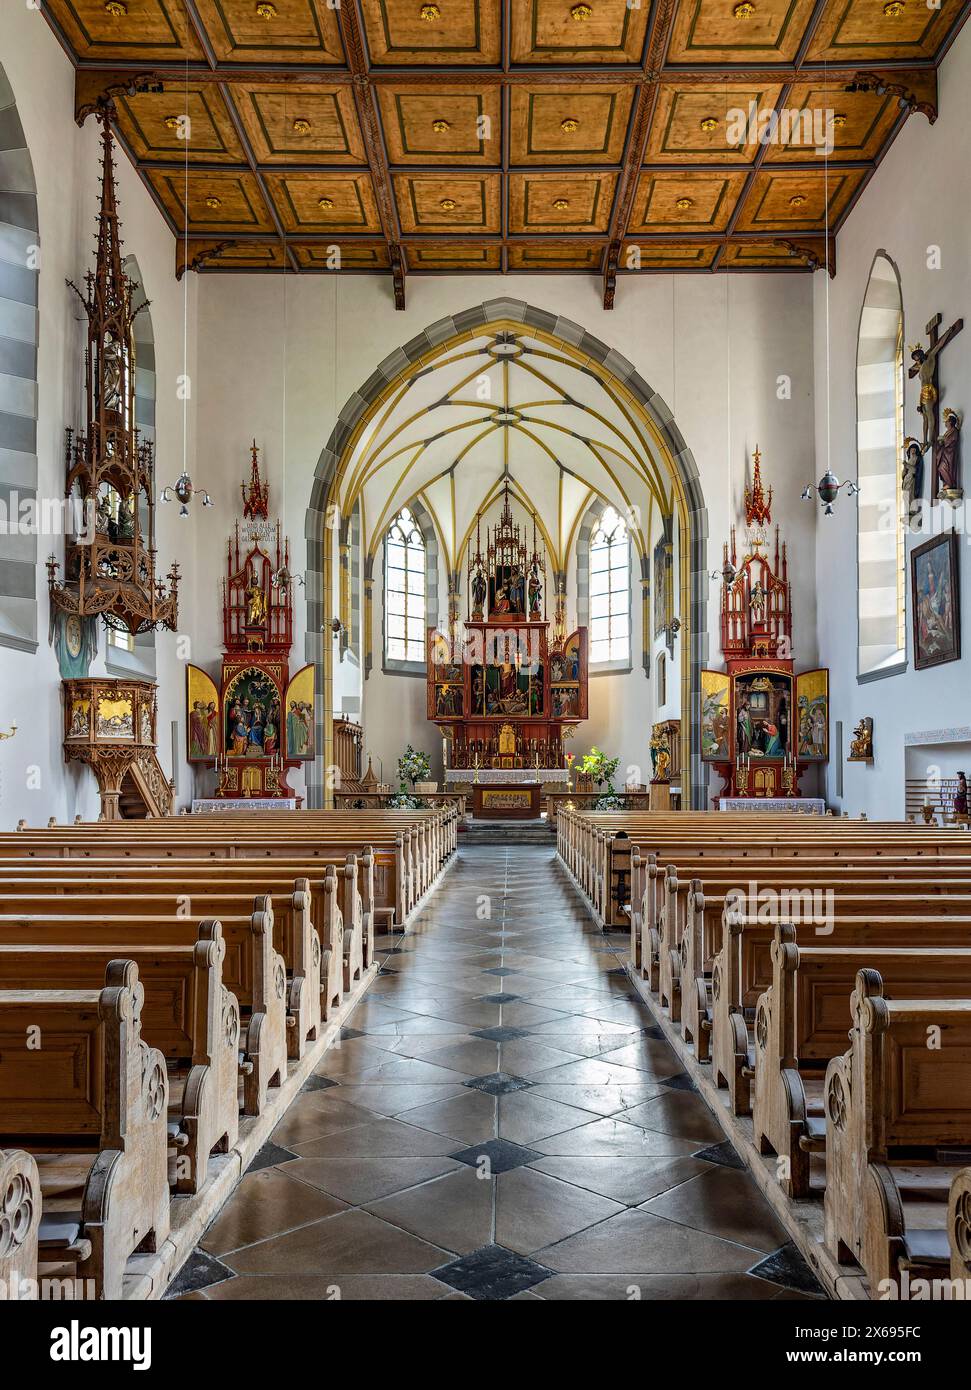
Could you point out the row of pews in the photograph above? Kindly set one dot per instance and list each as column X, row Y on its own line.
column 764, row 943
column 165, row 987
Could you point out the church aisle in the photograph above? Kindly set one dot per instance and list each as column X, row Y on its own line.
column 500, row 1121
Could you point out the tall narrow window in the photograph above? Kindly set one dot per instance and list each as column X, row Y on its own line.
column 882, row 647
column 609, row 591
column 404, row 590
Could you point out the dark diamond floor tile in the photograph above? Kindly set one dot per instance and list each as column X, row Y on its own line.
column 501, row 1034
column 201, row 1271
column 681, row 1081
column 787, row 1267
column 723, row 1154
column 498, row 998
column 498, row 1083
column 349, row 1034
column 491, row 1273
column 269, row 1156
column 322, row 1083
column 503, row 1155
column 501, row 970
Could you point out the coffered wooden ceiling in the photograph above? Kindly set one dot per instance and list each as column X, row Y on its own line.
column 515, row 136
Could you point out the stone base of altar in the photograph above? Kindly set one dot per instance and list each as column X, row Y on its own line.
column 509, row 802
column 798, row 805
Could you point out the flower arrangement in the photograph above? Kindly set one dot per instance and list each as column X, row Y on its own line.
column 413, row 766
column 601, row 769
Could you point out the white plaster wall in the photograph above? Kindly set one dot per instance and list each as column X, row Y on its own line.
column 34, row 782
column 919, row 198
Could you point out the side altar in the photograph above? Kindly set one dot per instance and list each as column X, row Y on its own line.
column 259, row 721
column 509, row 689
column 762, row 724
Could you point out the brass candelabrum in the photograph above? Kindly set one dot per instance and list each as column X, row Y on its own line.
column 741, row 778
column 788, row 779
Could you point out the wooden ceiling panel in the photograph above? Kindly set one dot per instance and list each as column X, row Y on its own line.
column 555, row 256
column 350, row 255
column 153, row 124
column 699, row 255
column 442, row 126
column 292, row 31
column 738, row 31
column 445, row 256
column 880, row 31
column 303, row 124
column 324, row 203
column 695, row 124
column 150, row 31
column 783, row 200
column 755, row 255
column 218, row 202
column 566, row 202
column 857, row 124
column 440, row 203
column 566, row 33
column 692, row 202
column 234, row 255
column 568, row 124
column 450, row 33
column 437, row 136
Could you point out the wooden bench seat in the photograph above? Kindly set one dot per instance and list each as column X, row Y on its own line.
column 742, row 969
column 90, row 1103
column 898, row 1120
column 187, row 1015
column 251, row 970
column 800, row 1025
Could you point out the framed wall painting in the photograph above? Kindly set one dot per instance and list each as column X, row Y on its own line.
column 936, row 601
column 812, row 715
column 715, row 717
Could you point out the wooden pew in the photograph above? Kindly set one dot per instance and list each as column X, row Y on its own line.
column 187, row 1015
column 20, row 1214
column 800, row 1025
column 252, row 971
column 898, row 1106
column 735, row 972
column 90, row 1104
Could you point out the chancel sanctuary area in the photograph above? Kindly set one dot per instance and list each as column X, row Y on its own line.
column 484, row 727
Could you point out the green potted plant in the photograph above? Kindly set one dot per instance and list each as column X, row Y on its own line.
column 600, row 769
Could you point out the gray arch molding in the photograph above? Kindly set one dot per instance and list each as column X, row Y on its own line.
column 572, row 335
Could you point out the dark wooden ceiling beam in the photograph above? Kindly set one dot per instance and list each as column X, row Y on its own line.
column 201, row 33
column 355, row 47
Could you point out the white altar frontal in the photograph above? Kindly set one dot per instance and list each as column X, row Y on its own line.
column 798, row 805
column 493, row 776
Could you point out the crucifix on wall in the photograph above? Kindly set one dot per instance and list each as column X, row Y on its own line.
column 926, row 366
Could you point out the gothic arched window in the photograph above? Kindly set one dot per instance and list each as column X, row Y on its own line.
column 609, row 606
column 404, row 590
column 881, row 597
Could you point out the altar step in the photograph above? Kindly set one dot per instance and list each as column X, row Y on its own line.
column 507, row 832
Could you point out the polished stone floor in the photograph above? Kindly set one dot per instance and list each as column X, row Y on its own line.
column 501, row 1120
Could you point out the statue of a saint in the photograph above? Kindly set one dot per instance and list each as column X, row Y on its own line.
column 912, row 481
column 255, row 603
column 479, row 590
column 948, row 459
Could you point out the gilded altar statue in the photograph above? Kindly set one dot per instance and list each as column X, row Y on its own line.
column 861, row 745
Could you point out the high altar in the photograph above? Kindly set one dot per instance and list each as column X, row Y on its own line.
column 762, row 725
column 511, row 688
column 260, row 720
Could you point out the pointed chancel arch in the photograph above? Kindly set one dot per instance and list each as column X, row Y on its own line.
column 507, row 391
